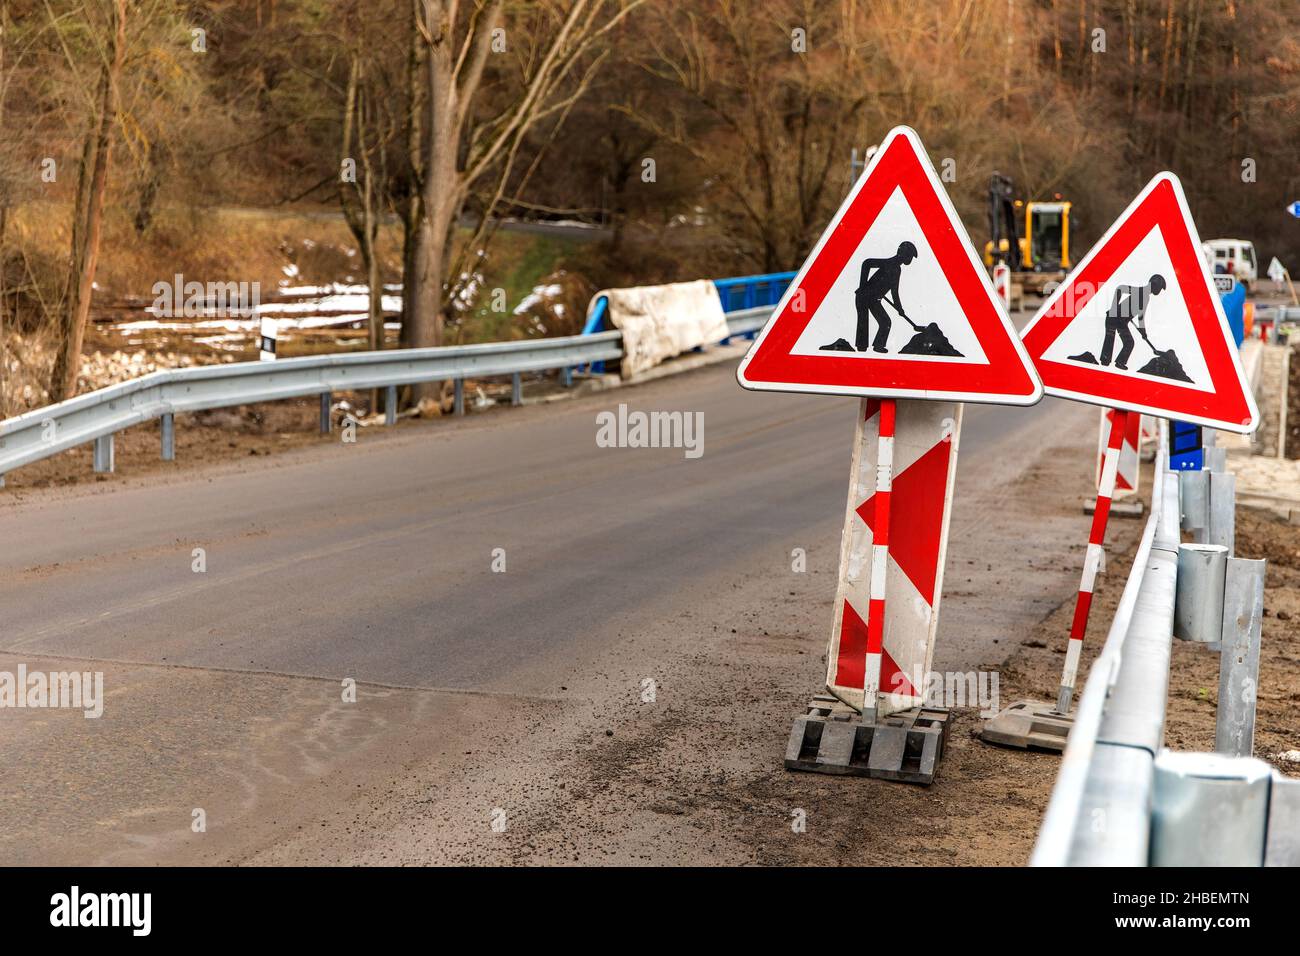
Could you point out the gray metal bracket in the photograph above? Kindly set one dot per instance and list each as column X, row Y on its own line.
column 1029, row 725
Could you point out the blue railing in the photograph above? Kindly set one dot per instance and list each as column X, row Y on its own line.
column 749, row 292
column 740, row 292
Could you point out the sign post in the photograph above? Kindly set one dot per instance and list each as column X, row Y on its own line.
column 879, row 561
column 1002, row 283
column 269, row 334
column 1093, row 558
column 1128, row 474
column 1145, row 275
column 894, row 306
column 923, row 467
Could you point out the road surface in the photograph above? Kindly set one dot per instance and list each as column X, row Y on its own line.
column 646, row 598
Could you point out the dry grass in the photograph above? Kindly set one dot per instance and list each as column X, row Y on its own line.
column 268, row 246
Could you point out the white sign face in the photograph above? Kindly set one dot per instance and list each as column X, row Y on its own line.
column 893, row 301
column 923, row 292
column 1088, row 342
column 1138, row 324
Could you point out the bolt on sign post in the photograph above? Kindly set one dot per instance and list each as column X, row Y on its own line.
column 1146, row 276
column 894, row 306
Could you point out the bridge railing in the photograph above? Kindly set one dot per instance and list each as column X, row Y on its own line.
column 97, row 416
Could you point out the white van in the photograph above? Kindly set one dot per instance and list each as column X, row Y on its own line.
column 1234, row 257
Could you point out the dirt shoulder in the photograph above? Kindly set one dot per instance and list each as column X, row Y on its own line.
column 1194, row 671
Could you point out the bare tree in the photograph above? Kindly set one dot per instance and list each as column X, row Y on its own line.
column 782, row 88
column 462, row 147
column 362, row 192
column 88, row 208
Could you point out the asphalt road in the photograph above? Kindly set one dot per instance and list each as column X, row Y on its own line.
column 374, row 562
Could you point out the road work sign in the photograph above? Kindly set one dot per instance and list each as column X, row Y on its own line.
column 1138, row 324
column 893, row 301
column 924, row 469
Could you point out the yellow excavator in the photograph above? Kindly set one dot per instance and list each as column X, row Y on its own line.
column 1032, row 238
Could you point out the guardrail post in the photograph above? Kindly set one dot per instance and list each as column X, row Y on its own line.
column 458, row 405
column 1194, row 494
column 1243, row 612
column 390, row 405
column 326, row 399
column 1198, row 601
column 103, row 458
column 516, row 389
column 168, row 422
column 1208, row 809
column 1223, row 504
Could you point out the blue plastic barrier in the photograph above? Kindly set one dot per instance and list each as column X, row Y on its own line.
column 1234, row 307
column 737, row 293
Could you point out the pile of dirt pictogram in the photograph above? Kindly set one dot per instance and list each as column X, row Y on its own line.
column 839, row 345
column 929, row 341
column 1166, row 365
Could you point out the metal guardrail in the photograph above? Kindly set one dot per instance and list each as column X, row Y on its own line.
column 1121, row 798
column 1099, row 813
column 1279, row 313
column 96, row 416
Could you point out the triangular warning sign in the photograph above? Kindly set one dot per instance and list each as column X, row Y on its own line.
column 1138, row 325
column 893, row 301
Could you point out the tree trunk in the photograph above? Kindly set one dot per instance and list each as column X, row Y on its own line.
column 441, row 194
column 414, row 142
column 88, row 217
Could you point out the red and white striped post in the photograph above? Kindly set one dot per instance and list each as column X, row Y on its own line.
column 1002, row 283
column 879, row 561
column 1096, row 542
